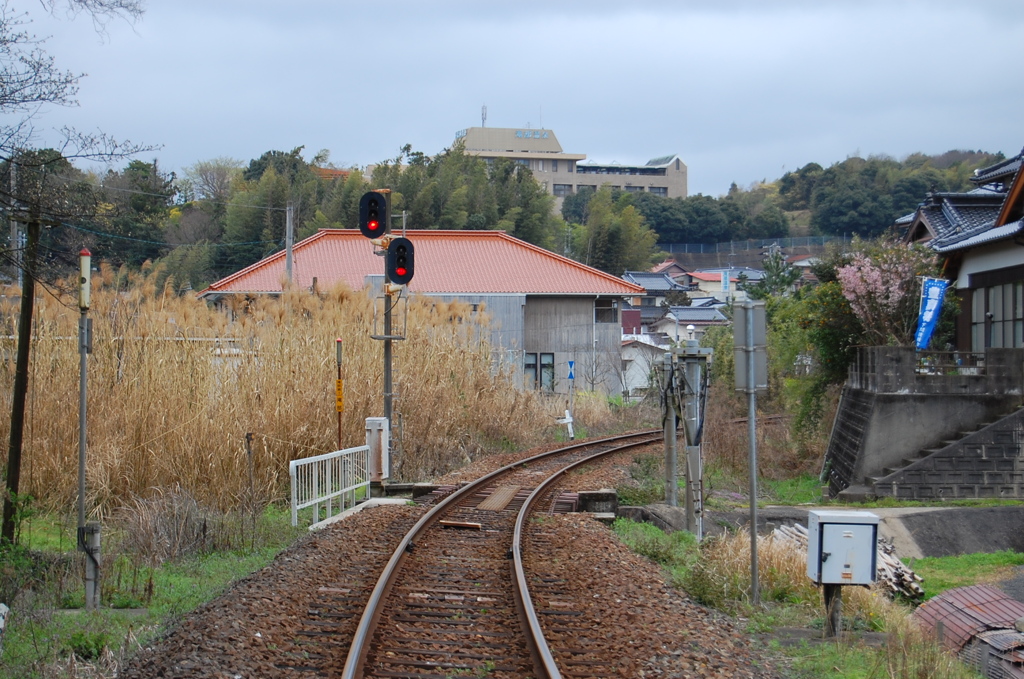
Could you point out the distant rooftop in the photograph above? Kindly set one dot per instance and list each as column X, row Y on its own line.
column 508, row 140
column 447, row 262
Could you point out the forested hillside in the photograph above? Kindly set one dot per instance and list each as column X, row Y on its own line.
column 221, row 215
column 855, row 197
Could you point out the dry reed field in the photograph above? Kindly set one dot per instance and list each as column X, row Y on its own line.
column 174, row 386
column 781, row 452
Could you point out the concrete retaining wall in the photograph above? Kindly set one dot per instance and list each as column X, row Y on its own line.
column 891, row 411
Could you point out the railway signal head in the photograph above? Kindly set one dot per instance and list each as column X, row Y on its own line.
column 399, row 261
column 373, row 214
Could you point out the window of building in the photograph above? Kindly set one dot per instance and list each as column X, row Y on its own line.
column 606, row 311
column 580, row 187
column 570, row 165
column 562, row 189
column 530, row 370
column 547, row 372
column 540, row 166
column 635, row 189
column 659, row 191
column 997, row 316
column 523, row 161
column 554, row 166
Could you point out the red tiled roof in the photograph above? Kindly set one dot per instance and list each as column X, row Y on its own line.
column 447, row 262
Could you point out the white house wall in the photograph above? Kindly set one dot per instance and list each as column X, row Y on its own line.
column 989, row 258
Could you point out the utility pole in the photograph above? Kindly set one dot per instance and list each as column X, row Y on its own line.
column 88, row 534
column 28, row 295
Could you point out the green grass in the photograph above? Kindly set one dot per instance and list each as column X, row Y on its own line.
column 947, row 572
column 798, row 491
column 137, row 600
column 647, row 482
column 676, row 552
column 48, row 532
column 830, row 659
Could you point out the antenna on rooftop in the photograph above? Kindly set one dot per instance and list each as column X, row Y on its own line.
column 483, row 116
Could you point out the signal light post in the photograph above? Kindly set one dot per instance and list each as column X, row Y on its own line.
column 375, row 224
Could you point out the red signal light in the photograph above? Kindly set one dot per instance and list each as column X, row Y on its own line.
column 373, row 214
column 398, row 267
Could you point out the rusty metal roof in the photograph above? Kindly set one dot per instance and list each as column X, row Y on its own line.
column 447, row 262
column 965, row 612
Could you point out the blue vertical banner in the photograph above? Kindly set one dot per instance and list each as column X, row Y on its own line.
column 932, row 293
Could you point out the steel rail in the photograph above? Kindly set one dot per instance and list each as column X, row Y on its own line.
column 545, row 665
column 371, row 614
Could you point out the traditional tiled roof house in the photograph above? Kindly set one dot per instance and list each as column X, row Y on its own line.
column 980, row 236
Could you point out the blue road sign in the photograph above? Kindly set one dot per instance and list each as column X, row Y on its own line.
column 572, row 375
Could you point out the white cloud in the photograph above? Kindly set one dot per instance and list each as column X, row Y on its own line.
column 739, row 89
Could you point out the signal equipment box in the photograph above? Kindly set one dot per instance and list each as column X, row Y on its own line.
column 842, row 547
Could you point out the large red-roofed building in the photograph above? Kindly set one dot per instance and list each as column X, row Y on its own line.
column 545, row 309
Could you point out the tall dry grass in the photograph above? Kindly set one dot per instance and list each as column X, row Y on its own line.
column 174, row 385
column 781, row 452
column 721, row 578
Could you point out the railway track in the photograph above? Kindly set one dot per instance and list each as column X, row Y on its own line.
column 456, row 599
column 601, row 610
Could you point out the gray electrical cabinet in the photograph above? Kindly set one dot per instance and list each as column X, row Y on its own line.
column 842, row 547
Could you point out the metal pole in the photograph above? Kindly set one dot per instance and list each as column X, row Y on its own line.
column 693, row 416
column 289, row 237
column 82, row 342
column 671, row 484
column 388, row 387
column 755, row 594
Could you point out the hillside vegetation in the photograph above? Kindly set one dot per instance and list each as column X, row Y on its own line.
column 223, row 214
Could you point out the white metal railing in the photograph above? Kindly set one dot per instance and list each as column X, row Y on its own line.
column 343, row 474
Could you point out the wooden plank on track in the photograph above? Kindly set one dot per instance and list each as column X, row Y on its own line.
column 460, row 524
column 499, row 499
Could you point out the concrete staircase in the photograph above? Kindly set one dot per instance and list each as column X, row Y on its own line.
column 985, row 463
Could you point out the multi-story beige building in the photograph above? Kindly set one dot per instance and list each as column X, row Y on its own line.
column 563, row 174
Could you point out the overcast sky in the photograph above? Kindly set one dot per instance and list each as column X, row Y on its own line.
column 741, row 90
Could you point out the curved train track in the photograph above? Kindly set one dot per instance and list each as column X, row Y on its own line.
column 455, row 598
column 598, row 610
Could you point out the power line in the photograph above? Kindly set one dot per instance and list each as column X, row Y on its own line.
column 105, row 234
